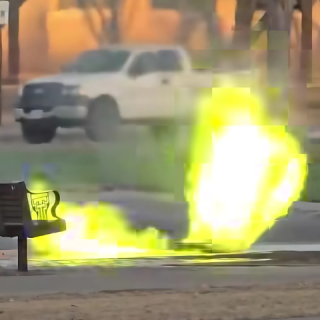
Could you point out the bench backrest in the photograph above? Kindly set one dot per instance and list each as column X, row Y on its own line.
column 14, row 205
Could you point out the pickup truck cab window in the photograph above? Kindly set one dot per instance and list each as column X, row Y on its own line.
column 159, row 61
column 96, row 61
column 169, row 61
column 143, row 64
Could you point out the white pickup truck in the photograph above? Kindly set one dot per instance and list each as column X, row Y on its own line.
column 102, row 88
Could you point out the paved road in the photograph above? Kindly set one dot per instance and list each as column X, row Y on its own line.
column 10, row 133
column 153, row 279
column 300, row 227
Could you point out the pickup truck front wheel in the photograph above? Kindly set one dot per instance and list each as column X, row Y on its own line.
column 35, row 134
column 103, row 120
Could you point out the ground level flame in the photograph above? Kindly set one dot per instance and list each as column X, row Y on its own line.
column 245, row 172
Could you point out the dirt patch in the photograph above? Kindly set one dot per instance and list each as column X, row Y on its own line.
column 256, row 302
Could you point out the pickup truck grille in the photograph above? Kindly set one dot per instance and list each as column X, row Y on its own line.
column 44, row 95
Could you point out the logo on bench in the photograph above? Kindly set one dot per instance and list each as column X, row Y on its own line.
column 40, row 204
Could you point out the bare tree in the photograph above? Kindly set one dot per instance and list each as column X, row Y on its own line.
column 189, row 19
column 306, row 39
column 243, row 18
column 114, row 31
column 13, row 36
column 278, row 17
column 109, row 29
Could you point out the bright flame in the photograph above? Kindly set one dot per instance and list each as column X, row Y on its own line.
column 98, row 231
column 245, row 172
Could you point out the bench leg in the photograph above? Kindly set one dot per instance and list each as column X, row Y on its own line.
column 22, row 254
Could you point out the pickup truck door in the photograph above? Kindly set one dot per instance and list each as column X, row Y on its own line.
column 143, row 98
column 172, row 76
column 156, row 87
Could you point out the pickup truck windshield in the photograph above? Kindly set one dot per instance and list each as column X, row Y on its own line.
column 99, row 61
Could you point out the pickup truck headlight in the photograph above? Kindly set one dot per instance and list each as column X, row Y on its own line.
column 70, row 90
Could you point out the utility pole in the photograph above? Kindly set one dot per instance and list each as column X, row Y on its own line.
column 4, row 19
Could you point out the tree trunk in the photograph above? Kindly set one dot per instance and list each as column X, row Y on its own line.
column 13, row 36
column 306, row 41
column 305, row 70
column 279, row 25
column 209, row 16
column 114, row 31
column 243, row 19
column 279, row 16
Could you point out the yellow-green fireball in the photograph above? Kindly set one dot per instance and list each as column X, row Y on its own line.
column 245, row 170
column 244, row 174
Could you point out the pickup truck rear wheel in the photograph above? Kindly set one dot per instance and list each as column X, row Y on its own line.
column 35, row 134
column 103, row 120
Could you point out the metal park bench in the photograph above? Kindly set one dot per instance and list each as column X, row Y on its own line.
column 16, row 218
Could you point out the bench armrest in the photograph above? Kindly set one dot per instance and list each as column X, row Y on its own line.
column 56, row 203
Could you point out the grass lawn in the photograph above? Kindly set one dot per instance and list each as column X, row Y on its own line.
column 142, row 164
column 135, row 162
